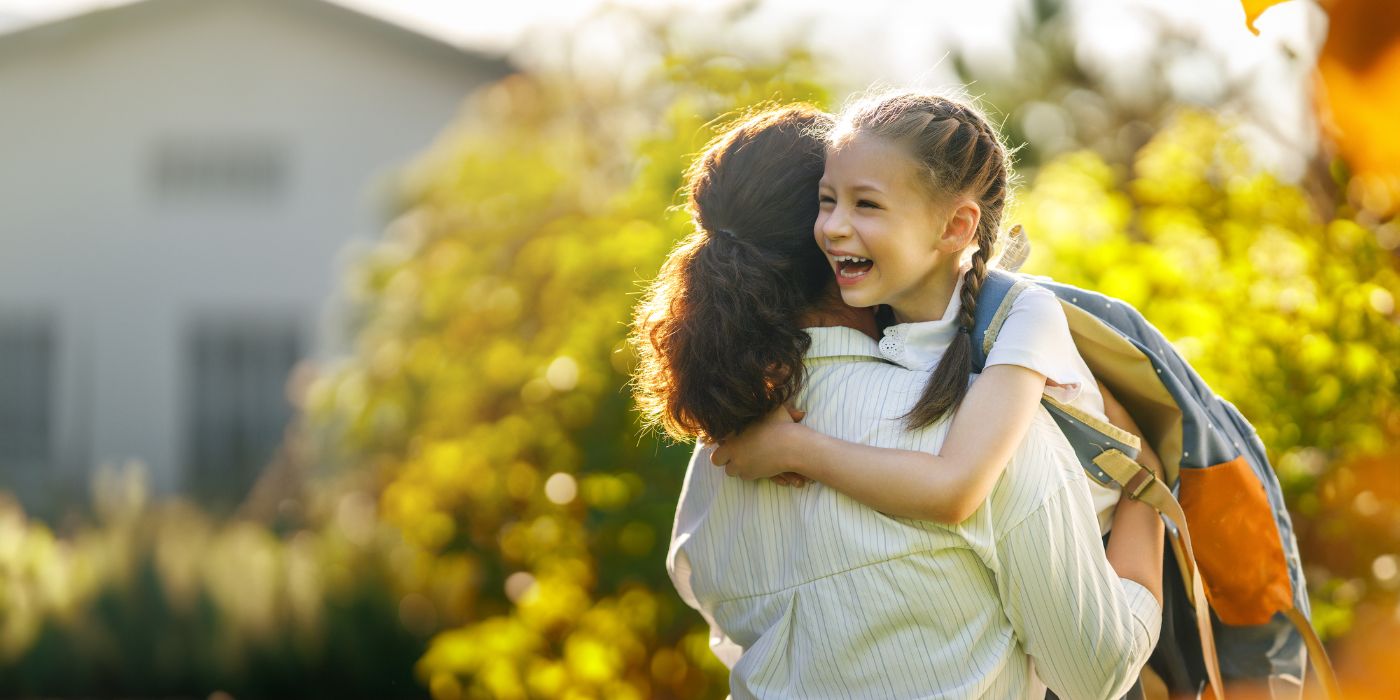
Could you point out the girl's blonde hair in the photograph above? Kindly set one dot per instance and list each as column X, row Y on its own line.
column 960, row 154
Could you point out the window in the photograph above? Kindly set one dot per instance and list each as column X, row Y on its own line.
column 26, row 390
column 236, row 399
column 235, row 168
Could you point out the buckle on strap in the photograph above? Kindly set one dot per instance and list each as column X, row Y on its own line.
column 1126, row 472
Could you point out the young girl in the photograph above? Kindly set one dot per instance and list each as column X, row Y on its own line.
column 819, row 595
column 912, row 182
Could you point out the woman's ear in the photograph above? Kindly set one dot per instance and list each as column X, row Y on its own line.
column 961, row 228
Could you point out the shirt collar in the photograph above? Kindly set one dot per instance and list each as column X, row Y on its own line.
column 920, row 345
column 840, row 341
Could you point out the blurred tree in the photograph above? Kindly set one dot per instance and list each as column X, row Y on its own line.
column 1290, row 317
column 497, row 506
column 1056, row 97
column 163, row 600
column 488, row 392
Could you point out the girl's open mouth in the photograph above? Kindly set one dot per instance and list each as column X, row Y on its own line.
column 850, row 268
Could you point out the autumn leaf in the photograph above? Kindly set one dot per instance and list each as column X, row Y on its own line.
column 1254, row 8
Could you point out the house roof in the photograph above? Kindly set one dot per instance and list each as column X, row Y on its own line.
column 106, row 18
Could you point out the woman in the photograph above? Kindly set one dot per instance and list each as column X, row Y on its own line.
column 811, row 593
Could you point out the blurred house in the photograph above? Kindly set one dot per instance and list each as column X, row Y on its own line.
column 177, row 178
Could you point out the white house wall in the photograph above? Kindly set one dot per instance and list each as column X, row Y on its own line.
column 84, row 233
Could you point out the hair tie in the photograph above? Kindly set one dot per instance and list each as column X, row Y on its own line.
column 965, row 329
column 727, row 234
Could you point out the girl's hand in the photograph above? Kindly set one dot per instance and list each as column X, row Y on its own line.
column 765, row 449
column 790, row 479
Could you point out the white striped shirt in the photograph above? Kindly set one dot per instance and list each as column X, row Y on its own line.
column 811, row 594
column 1035, row 334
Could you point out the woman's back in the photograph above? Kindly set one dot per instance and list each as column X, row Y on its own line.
column 828, row 597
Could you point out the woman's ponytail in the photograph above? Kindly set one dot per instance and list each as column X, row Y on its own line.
column 717, row 335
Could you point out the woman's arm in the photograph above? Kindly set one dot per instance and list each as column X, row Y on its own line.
column 947, row 487
column 1088, row 628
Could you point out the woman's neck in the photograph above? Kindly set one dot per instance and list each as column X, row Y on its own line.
column 831, row 311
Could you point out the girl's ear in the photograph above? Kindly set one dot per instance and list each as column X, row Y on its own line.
column 961, row 228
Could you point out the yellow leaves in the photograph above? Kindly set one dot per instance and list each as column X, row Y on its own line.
column 501, row 363
column 468, row 649
column 592, row 660
column 1178, row 169
column 491, row 319
column 557, row 643
column 1360, row 362
column 547, row 678
column 1233, row 266
column 1073, row 203
column 1254, row 8
column 553, row 601
column 609, row 491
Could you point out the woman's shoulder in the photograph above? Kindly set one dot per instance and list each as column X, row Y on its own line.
column 1041, row 467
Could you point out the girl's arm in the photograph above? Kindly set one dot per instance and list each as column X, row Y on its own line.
column 947, row 487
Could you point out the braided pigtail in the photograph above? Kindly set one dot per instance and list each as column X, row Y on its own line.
column 948, row 385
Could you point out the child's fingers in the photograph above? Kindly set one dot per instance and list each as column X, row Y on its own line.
column 792, row 479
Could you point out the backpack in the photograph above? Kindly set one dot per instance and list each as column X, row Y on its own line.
column 1235, row 605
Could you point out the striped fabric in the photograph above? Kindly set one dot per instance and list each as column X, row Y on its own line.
column 810, row 594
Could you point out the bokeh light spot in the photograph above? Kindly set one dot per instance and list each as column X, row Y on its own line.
column 518, row 584
column 560, row 488
column 562, row 374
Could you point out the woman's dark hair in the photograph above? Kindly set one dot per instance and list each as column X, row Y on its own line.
column 959, row 154
column 717, row 334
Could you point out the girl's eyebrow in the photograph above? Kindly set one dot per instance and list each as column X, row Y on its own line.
column 858, row 187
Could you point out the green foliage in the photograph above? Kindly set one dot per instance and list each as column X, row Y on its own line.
column 489, row 385
column 498, row 526
column 1288, row 314
column 161, row 600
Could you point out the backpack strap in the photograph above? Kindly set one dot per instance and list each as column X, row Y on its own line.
column 1140, row 484
column 999, row 290
column 1088, row 435
column 1107, row 454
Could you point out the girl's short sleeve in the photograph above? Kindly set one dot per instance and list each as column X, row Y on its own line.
column 1036, row 335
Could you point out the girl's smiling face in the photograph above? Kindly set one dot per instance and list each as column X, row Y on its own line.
column 889, row 240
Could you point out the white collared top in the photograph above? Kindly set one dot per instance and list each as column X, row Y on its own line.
column 1036, row 335
column 811, row 594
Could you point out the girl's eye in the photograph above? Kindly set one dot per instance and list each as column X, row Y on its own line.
column 867, row 204
column 826, row 199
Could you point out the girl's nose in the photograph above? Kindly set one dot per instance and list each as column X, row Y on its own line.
column 836, row 225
